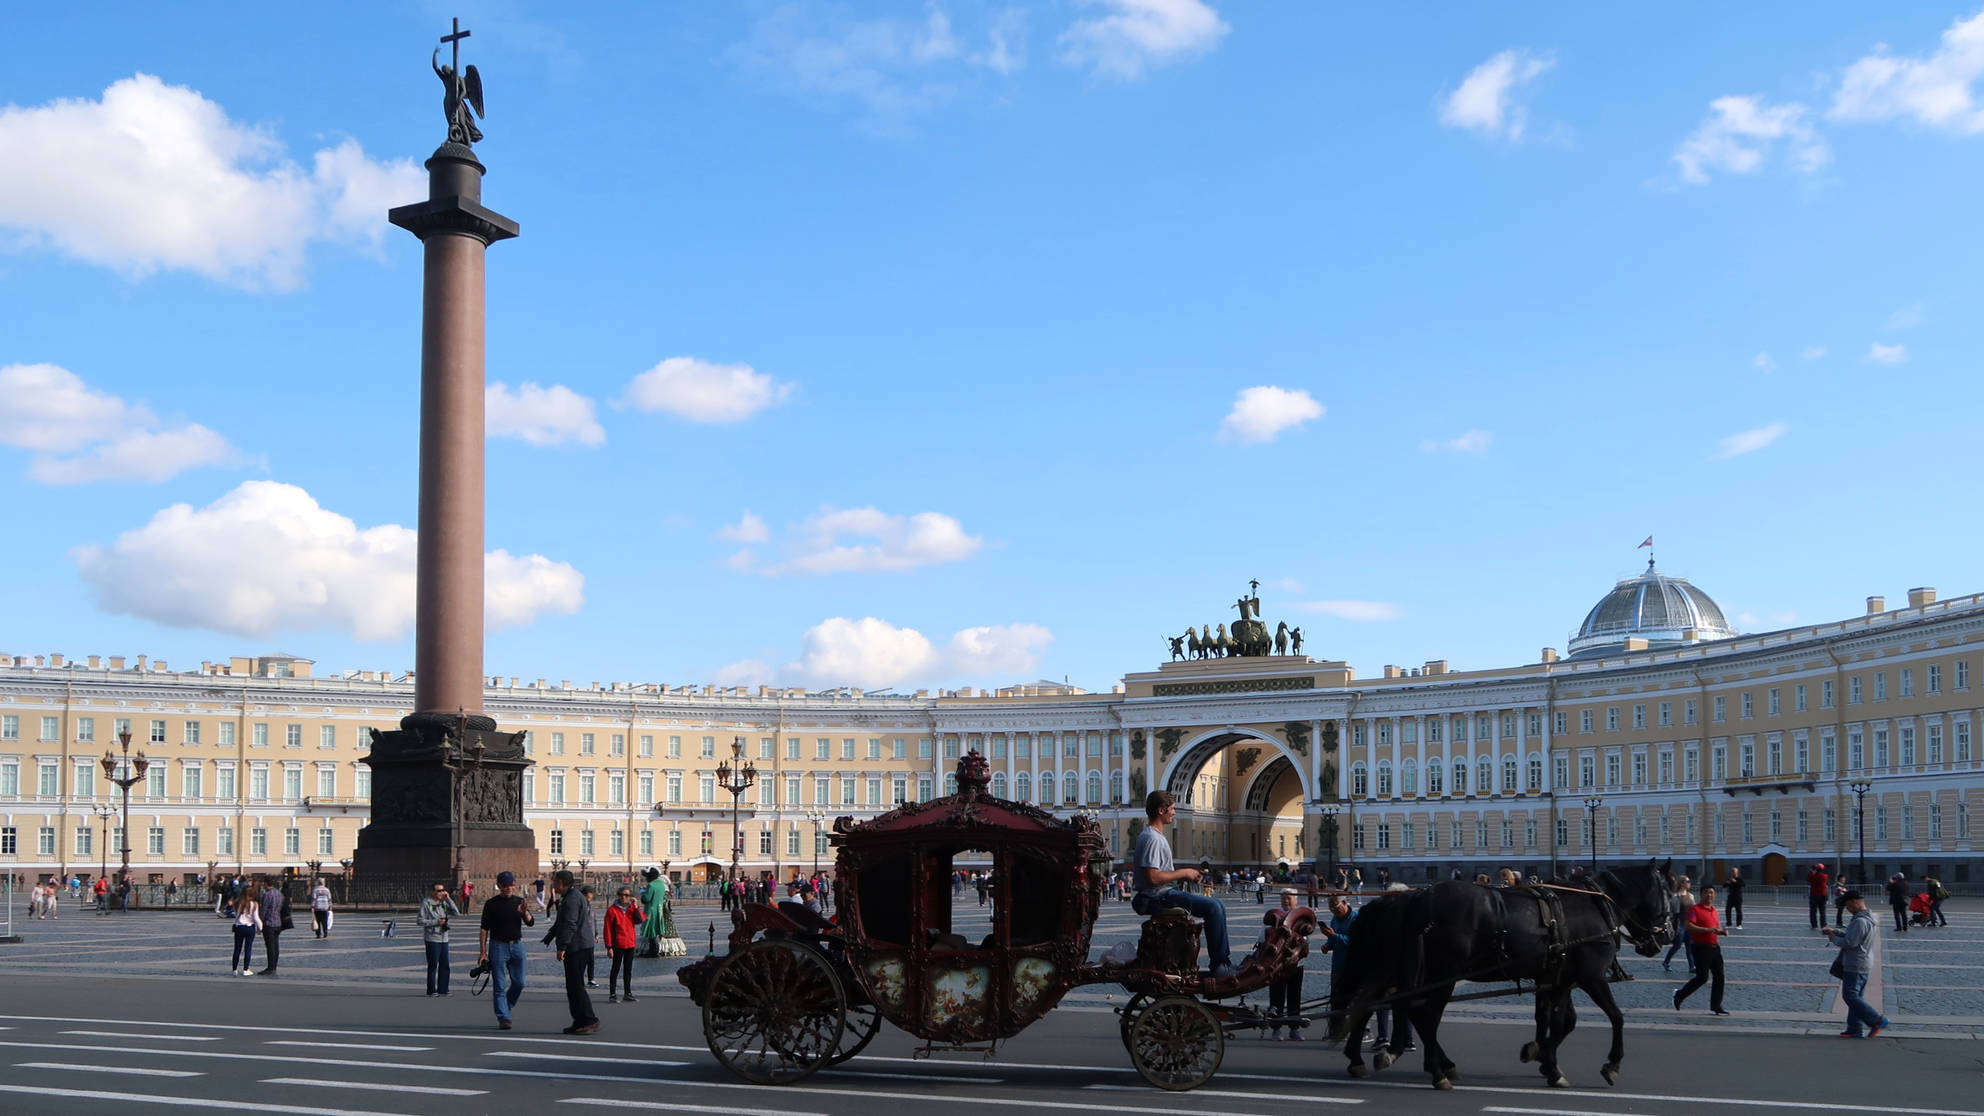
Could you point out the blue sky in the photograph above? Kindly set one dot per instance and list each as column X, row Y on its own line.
column 954, row 343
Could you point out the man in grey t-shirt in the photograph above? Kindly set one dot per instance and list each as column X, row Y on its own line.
column 1155, row 874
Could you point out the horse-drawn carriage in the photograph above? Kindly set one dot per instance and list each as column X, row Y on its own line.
column 796, row 992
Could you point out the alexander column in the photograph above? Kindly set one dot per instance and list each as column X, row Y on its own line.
column 447, row 788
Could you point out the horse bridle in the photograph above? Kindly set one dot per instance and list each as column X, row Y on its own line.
column 1633, row 929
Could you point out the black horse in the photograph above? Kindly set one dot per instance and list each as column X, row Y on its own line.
column 1411, row 948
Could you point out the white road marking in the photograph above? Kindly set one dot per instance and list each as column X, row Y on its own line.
column 920, row 1078
column 1292, row 1098
column 321, row 1083
column 134, row 1034
column 185, row 1102
column 621, row 1061
column 658, row 1105
column 110, row 1069
column 350, row 1045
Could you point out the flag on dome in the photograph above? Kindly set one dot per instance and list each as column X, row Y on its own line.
column 1648, row 542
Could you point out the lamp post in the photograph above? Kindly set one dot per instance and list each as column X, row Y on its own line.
column 816, row 816
column 105, row 812
column 1860, row 787
column 1328, row 832
column 462, row 757
column 112, row 762
column 1591, row 806
column 345, row 863
column 736, row 779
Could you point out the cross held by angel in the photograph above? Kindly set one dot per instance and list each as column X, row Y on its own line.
column 462, row 101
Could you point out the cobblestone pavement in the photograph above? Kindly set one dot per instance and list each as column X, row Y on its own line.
column 1932, row 981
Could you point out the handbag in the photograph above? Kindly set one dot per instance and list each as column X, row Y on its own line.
column 1838, row 969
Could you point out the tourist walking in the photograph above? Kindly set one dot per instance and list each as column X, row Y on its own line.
column 623, row 921
column 320, row 909
column 501, row 946
column 1855, row 962
column 1732, row 901
column 275, row 919
column 1678, row 906
column 1898, row 899
column 1705, row 933
column 435, row 910
column 247, row 923
column 574, row 935
column 1336, row 943
column 1839, row 890
column 101, row 889
column 1816, row 893
column 1937, row 893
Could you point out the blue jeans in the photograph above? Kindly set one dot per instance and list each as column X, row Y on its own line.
column 437, row 967
column 1210, row 911
column 506, row 975
column 1860, row 1016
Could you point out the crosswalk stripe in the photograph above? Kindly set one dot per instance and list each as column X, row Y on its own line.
column 320, row 1083
column 349, row 1045
column 664, row 1106
column 137, row 1035
column 138, row 1070
column 620, row 1061
column 186, row 1102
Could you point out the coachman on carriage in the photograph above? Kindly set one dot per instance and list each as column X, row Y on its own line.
column 796, row 992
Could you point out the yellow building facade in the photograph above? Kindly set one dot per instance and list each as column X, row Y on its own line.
column 1656, row 738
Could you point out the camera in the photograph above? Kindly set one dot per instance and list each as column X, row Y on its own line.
column 481, row 970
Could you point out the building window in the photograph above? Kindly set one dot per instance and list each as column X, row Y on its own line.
column 675, row 748
column 1933, row 682
column 1563, row 833
column 258, row 841
column 1639, row 716
column 1384, row 779
column 557, row 843
column 1853, row 690
column 292, row 736
column 674, row 842
column 647, row 746
column 327, row 782
column 1963, row 674
column 554, row 787
column 1584, row 720
column 1611, row 718
column 1611, row 771
column 586, row 743
column 619, row 742
column 586, row 847
column 292, row 841
column 1535, row 773
column 557, row 743
column 224, row 841
column 1688, row 715
column 85, row 841
column 1720, row 706
column 326, row 842
column 1359, row 779
column 1907, row 681
column 1560, row 723
column 1666, row 713
column 709, row 747
column 1587, row 771
column 1880, row 685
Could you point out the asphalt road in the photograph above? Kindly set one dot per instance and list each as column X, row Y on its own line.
column 307, row 1046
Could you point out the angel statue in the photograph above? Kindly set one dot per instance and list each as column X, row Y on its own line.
column 464, row 94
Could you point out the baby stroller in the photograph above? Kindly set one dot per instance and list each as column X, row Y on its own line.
column 1918, row 909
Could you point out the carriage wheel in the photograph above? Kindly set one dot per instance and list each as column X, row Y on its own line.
column 1127, row 1015
column 1176, row 1043
column 863, row 1020
column 774, row 1012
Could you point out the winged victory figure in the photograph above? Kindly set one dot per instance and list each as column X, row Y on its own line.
column 462, row 102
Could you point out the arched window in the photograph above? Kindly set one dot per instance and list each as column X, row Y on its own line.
column 1360, row 779
column 1095, row 787
column 1408, row 778
column 1460, row 776
column 1509, row 774
column 998, row 784
column 1434, row 781
column 1046, row 788
column 1484, row 782
column 1535, row 772
column 1071, row 789
column 1022, row 786
column 1384, row 778
column 1116, row 788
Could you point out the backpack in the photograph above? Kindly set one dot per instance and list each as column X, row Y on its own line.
column 1937, row 891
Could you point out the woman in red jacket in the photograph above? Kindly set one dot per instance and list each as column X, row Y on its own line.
column 622, row 919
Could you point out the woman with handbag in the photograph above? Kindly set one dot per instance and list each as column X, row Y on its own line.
column 1854, row 962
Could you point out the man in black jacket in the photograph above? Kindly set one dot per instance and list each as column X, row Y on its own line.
column 574, row 935
column 1898, row 899
column 1732, row 900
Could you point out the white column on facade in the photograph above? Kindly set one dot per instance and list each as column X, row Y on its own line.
column 1446, row 753
column 1419, row 730
column 1343, row 759
column 1315, row 758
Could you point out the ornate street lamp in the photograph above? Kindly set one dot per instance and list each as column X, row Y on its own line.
column 1591, row 806
column 105, row 812
column 1860, row 787
column 816, row 816
column 1328, row 833
column 462, row 757
column 345, row 863
column 112, row 762
column 736, row 779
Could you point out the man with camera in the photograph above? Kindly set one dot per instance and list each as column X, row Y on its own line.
column 502, row 949
column 435, row 910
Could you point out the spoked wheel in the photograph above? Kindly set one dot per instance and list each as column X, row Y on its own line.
column 774, row 1012
column 1176, row 1043
column 863, row 1020
column 1127, row 1015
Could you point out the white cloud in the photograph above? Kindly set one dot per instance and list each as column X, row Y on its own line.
column 1285, row 584
column 1356, row 611
column 1750, row 441
column 1908, row 317
column 266, row 558
column 1473, row 441
column 873, row 653
column 1134, row 35
column 701, row 391
column 1486, row 101
column 1936, row 91
column 79, row 434
column 750, row 529
column 156, row 177
column 1763, row 362
column 541, row 416
column 1261, row 413
column 1813, row 352
column 868, row 540
column 892, row 70
column 1740, row 132
column 1887, row 354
